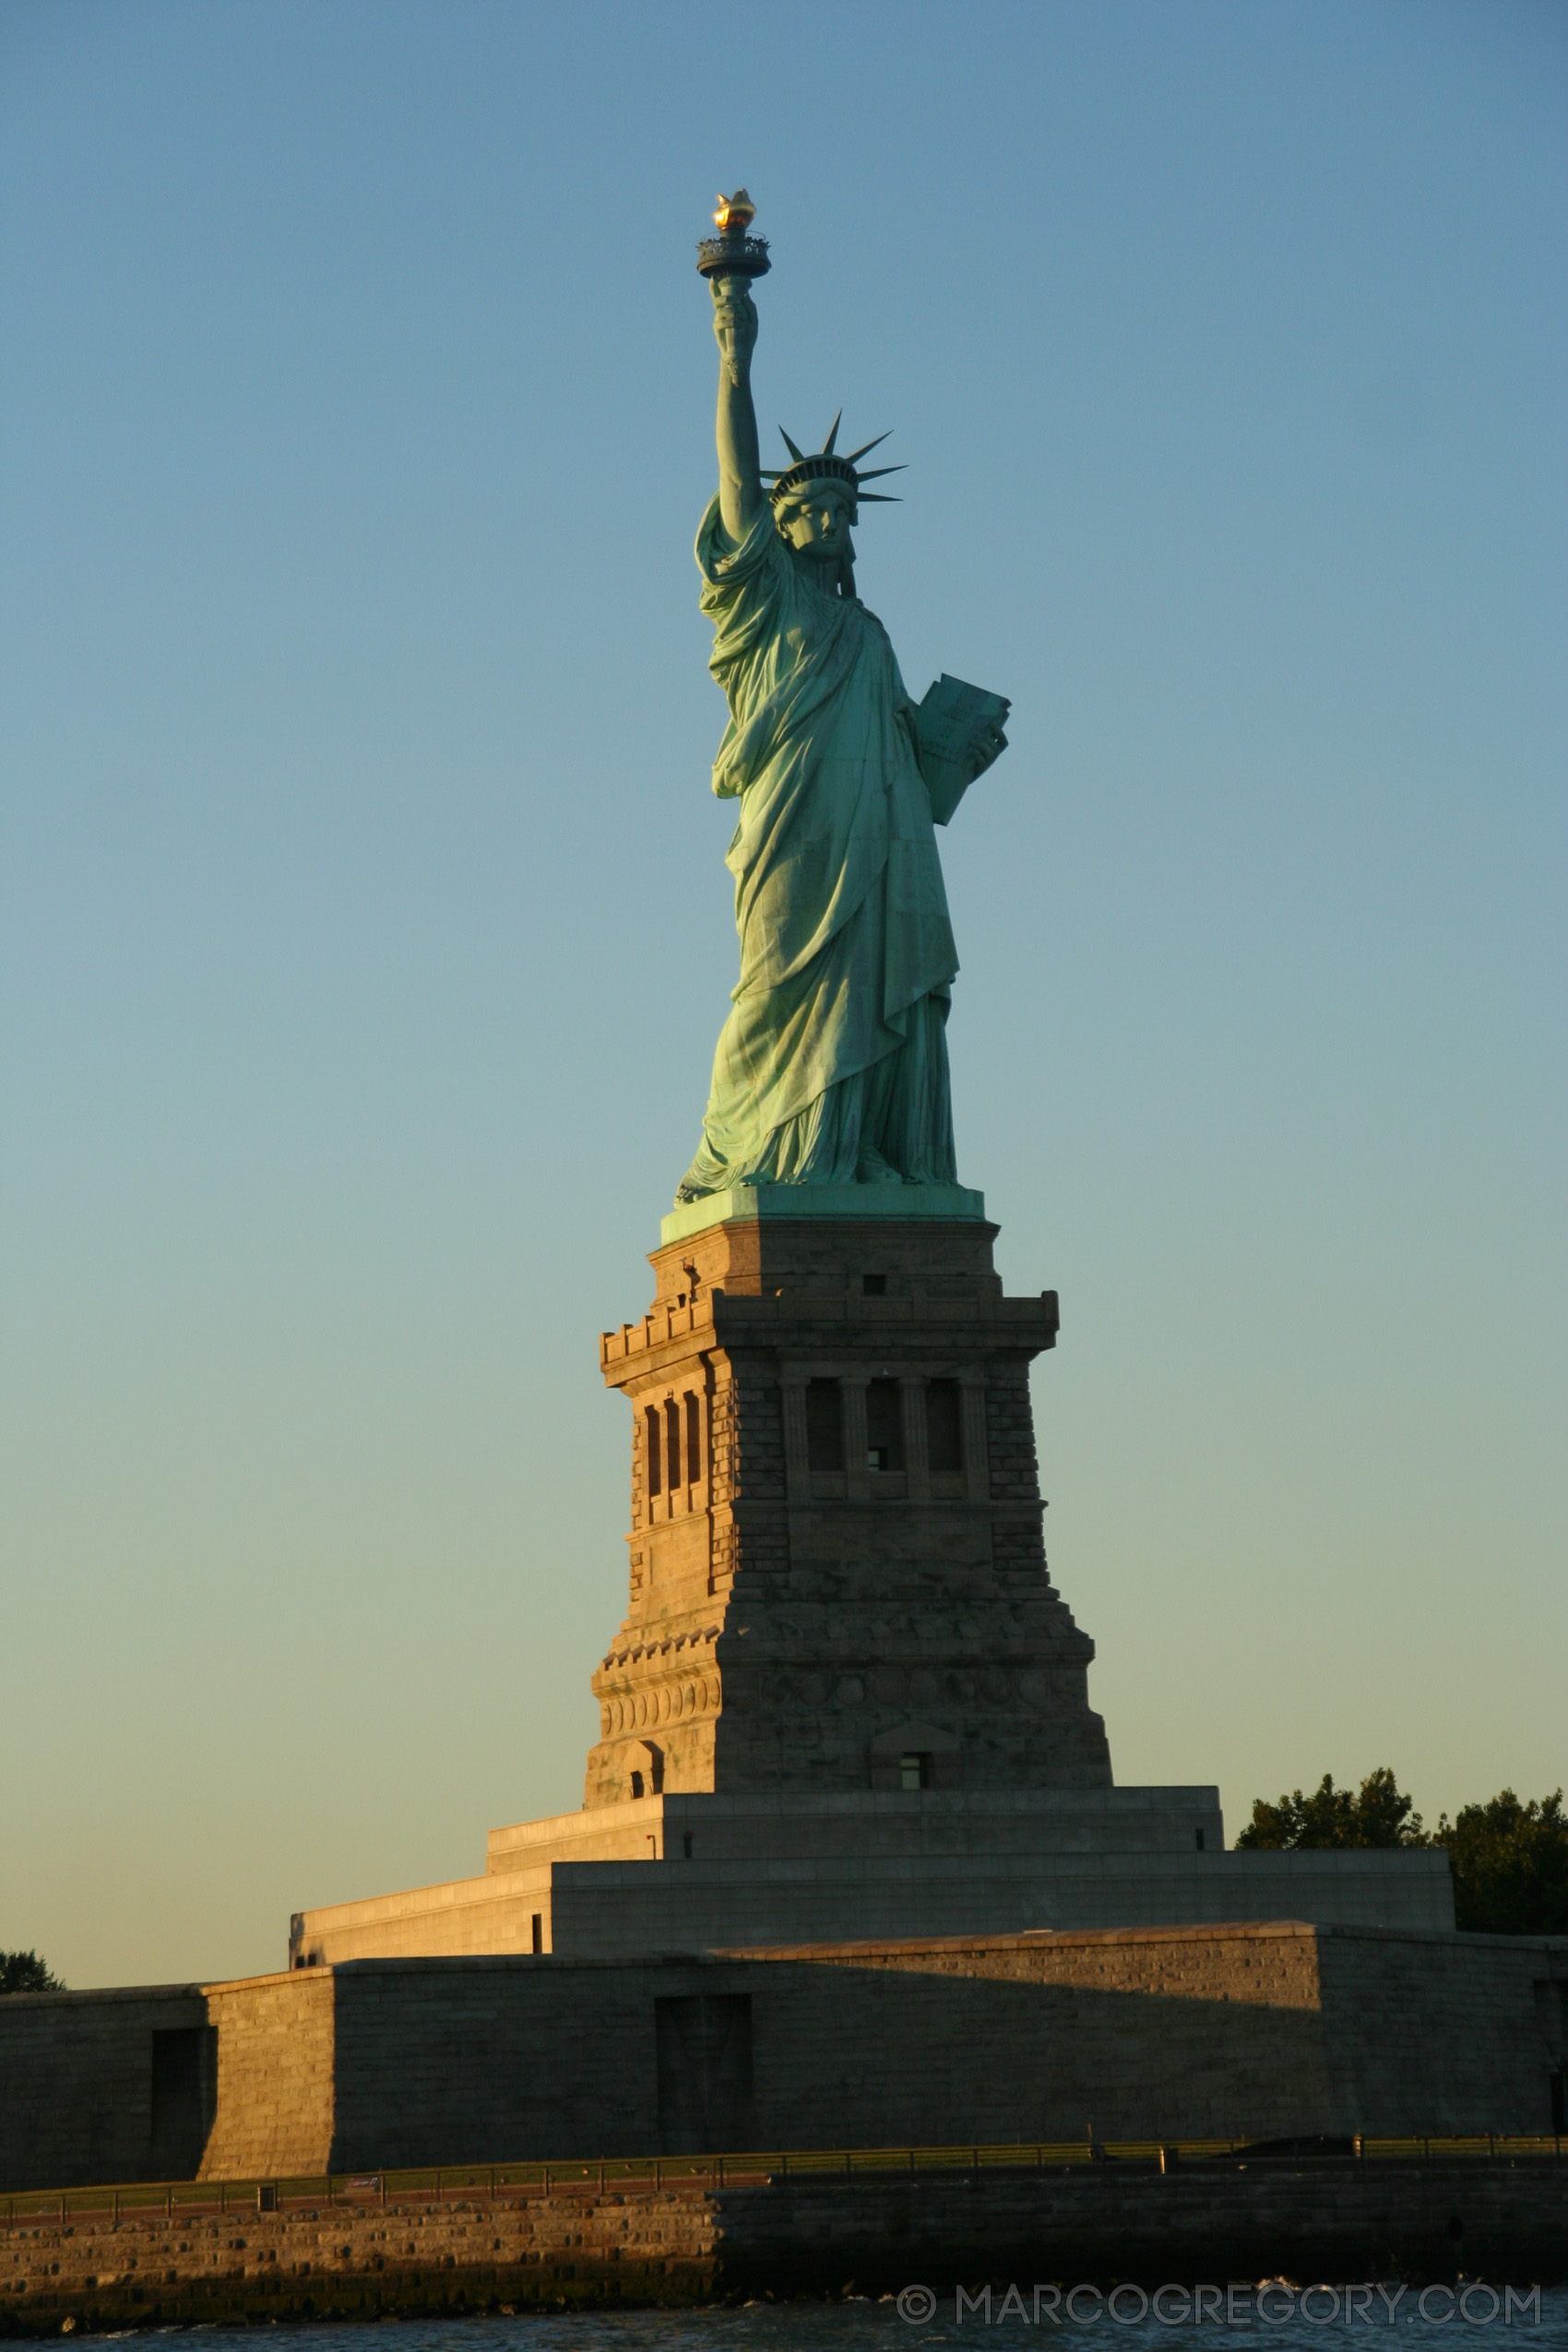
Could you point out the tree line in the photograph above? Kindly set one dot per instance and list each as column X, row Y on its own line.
column 25, row 1972
column 1509, row 1858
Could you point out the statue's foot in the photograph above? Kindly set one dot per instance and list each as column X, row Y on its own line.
column 874, row 1169
column 706, row 1175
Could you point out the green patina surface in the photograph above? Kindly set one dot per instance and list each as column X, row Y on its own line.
column 831, row 1071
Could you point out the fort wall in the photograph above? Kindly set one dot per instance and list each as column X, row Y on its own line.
column 1238, row 2031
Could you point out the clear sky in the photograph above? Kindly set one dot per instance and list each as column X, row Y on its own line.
column 367, row 934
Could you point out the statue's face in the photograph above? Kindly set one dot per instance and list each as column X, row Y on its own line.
column 815, row 521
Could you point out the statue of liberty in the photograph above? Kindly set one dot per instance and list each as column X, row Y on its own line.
column 832, row 1067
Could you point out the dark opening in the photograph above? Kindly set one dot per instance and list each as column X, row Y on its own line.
column 654, row 1767
column 704, row 2072
column 539, row 1930
column 914, row 1770
column 694, row 1438
column 636, row 1784
column 1559, row 2086
column 825, row 1426
column 1199, row 1835
column 686, row 1844
column 874, row 1285
column 673, row 1443
column 944, row 1428
column 655, row 1483
column 180, row 2117
column 885, row 1426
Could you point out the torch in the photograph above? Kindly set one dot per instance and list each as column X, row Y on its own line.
column 732, row 253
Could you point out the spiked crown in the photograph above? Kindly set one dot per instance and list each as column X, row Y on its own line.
column 826, row 466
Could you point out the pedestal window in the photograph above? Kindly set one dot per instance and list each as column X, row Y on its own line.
column 944, row 1428
column 825, row 1426
column 885, row 1426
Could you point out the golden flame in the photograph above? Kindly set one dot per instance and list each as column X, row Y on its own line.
column 735, row 212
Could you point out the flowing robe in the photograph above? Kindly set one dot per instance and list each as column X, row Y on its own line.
column 832, row 1067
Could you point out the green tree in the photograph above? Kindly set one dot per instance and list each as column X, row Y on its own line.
column 25, row 1972
column 1509, row 1865
column 1377, row 1814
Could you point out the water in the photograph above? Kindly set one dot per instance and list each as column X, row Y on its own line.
column 856, row 2326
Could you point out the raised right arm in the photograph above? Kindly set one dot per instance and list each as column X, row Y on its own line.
column 740, row 494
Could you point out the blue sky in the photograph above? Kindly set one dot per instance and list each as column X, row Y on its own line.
column 366, row 932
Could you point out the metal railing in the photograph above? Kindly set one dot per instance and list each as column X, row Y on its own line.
column 757, row 2168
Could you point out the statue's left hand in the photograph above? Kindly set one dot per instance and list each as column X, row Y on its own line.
column 987, row 743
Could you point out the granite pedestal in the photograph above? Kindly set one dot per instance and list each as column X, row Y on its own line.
column 846, row 1700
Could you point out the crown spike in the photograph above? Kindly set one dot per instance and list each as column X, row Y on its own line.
column 874, row 473
column 826, row 449
column 866, row 446
column 797, row 455
column 876, row 498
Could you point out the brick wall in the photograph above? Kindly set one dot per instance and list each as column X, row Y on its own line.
column 1443, row 2033
column 452, row 2063
column 275, row 2075
column 355, row 2261
column 1010, row 1431
column 1100, row 2223
column 75, row 2082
